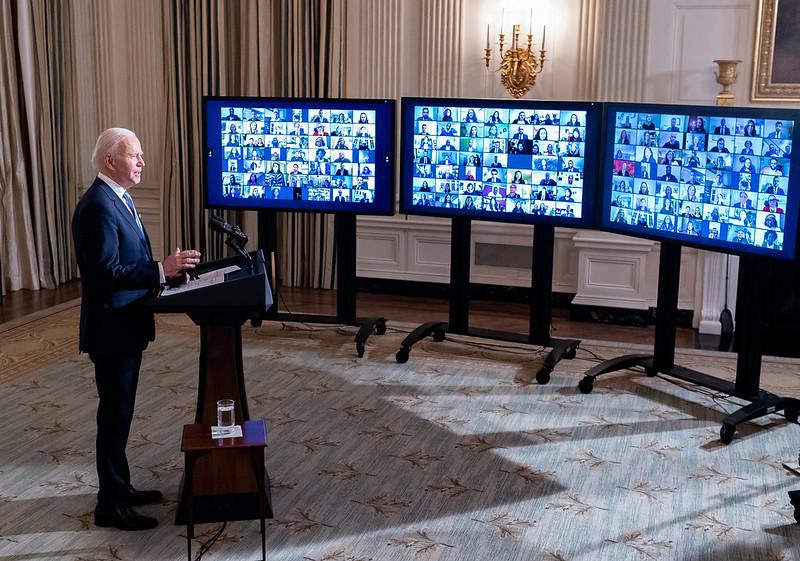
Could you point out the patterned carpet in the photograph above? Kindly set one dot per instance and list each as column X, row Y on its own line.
column 451, row 456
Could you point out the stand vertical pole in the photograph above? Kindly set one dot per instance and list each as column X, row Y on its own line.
column 460, row 253
column 669, row 276
column 268, row 243
column 749, row 323
column 541, row 285
column 344, row 227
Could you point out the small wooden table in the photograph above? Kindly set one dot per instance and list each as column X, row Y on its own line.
column 231, row 465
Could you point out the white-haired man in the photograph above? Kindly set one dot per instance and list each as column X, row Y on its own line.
column 118, row 276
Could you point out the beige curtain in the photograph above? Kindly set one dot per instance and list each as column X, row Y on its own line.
column 37, row 144
column 191, row 67
column 212, row 47
column 312, row 66
column 262, row 48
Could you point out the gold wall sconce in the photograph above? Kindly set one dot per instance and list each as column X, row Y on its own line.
column 519, row 64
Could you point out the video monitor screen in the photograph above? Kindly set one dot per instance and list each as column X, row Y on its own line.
column 501, row 160
column 321, row 155
column 711, row 177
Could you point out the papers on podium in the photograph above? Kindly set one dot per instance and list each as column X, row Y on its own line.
column 217, row 276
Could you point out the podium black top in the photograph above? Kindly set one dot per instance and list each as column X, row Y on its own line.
column 223, row 291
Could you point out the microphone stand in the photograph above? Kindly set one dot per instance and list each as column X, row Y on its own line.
column 236, row 241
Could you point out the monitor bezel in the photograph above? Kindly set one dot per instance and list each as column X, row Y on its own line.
column 591, row 159
column 385, row 207
column 605, row 171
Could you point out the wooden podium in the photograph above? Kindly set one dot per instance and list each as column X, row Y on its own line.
column 220, row 298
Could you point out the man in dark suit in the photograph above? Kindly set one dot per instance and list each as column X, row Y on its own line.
column 118, row 276
column 722, row 128
column 778, row 132
column 668, row 176
column 493, row 177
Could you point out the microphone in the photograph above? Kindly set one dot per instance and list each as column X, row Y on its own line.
column 236, row 238
column 218, row 224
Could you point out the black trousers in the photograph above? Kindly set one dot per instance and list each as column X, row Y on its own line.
column 117, row 377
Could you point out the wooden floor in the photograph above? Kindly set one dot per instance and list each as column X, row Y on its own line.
column 483, row 314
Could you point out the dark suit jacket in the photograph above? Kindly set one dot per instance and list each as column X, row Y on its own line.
column 118, row 274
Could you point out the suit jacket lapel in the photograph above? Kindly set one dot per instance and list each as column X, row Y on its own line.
column 123, row 209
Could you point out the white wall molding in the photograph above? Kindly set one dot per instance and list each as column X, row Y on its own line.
column 623, row 50
column 612, row 270
column 440, row 57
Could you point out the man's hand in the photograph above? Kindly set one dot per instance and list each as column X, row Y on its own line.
column 176, row 264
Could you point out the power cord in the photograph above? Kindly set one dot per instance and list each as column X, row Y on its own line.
column 206, row 547
column 719, row 398
column 283, row 301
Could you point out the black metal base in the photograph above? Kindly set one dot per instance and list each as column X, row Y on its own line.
column 367, row 326
column 435, row 328
column 761, row 404
column 561, row 348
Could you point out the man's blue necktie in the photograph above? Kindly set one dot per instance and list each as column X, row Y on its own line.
column 132, row 207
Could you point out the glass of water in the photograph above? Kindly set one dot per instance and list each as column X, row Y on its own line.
column 225, row 413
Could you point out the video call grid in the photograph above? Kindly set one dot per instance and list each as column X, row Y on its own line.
column 522, row 161
column 723, row 178
column 298, row 154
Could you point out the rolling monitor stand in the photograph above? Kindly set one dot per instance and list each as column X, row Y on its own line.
column 749, row 311
column 344, row 225
column 540, row 308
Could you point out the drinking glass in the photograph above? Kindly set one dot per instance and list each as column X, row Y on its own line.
column 225, row 413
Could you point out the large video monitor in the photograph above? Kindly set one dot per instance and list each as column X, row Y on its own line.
column 710, row 177
column 321, row 155
column 501, row 160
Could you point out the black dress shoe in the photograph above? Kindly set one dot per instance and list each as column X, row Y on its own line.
column 139, row 498
column 122, row 518
column 794, row 498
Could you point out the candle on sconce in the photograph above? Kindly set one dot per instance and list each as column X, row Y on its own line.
column 544, row 35
column 502, row 19
column 530, row 25
column 487, row 36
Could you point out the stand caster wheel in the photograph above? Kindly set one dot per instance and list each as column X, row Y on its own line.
column 543, row 376
column 791, row 414
column 438, row 336
column 726, row 433
column 360, row 349
column 586, row 385
column 402, row 356
column 380, row 327
column 255, row 322
column 650, row 371
column 570, row 353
